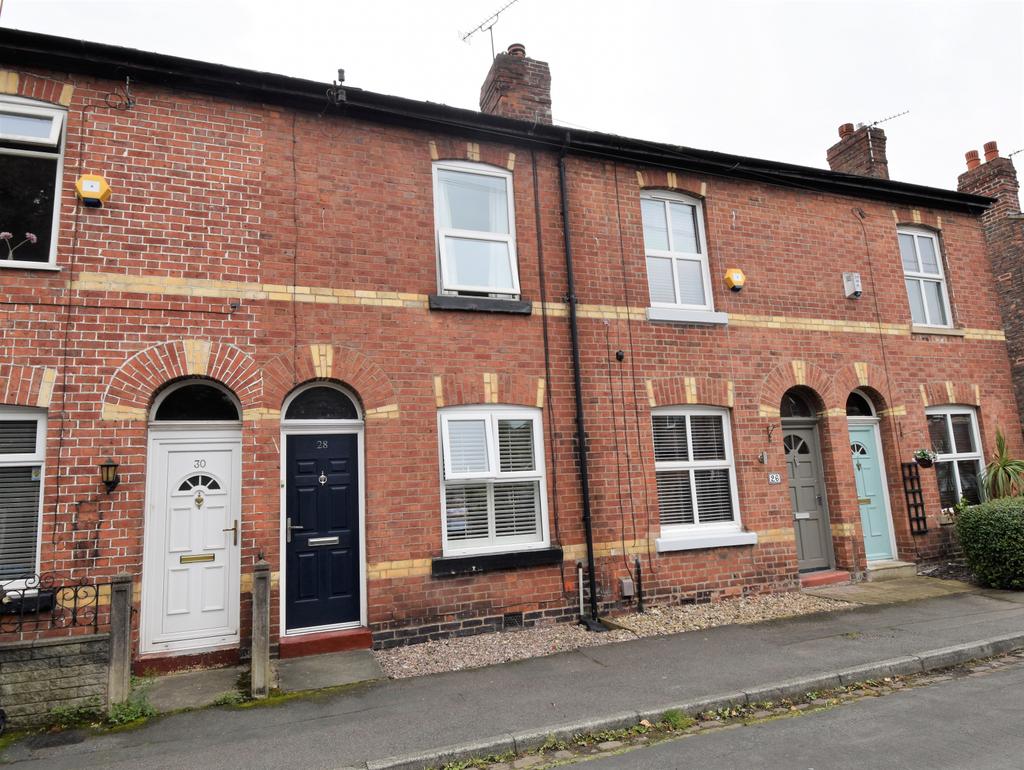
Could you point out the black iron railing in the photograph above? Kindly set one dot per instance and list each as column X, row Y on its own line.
column 44, row 602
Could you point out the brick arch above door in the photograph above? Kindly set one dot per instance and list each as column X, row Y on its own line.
column 793, row 373
column 337, row 363
column 136, row 381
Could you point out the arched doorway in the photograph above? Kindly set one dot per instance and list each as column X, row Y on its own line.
column 869, row 472
column 801, row 444
column 191, row 554
column 322, row 534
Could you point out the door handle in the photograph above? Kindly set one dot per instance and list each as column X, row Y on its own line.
column 233, row 529
column 288, row 530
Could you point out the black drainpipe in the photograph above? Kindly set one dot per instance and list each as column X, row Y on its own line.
column 577, row 383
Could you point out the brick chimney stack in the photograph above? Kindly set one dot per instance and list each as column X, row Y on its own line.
column 517, row 87
column 859, row 151
column 1003, row 225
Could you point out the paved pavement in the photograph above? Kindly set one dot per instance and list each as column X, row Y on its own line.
column 413, row 715
column 972, row 722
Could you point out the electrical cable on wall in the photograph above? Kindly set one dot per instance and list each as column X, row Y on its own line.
column 632, row 364
column 861, row 216
column 618, row 459
column 548, row 389
column 295, row 253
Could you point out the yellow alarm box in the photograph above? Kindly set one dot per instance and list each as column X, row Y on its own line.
column 734, row 278
column 92, row 190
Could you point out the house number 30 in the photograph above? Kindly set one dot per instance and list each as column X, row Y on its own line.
column 199, row 463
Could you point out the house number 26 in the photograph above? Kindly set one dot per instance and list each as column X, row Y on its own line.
column 774, row 478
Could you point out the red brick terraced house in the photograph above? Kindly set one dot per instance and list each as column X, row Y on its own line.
column 438, row 367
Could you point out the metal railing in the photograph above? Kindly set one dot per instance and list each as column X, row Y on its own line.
column 46, row 602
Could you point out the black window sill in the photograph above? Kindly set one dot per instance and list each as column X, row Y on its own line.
column 480, row 304
column 470, row 565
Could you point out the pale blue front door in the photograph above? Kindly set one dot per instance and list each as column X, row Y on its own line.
column 874, row 513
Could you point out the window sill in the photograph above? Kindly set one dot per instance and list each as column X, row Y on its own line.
column 16, row 265
column 451, row 566
column 703, row 317
column 709, row 540
column 945, row 331
column 479, row 304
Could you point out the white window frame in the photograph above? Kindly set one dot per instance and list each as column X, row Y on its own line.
column 445, row 286
column 665, row 197
column 490, row 415
column 978, row 454
column 680, row 537
column 11, row 413
column 920, row 277
column 20, row 106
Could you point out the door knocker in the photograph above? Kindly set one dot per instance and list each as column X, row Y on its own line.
column 322, row 479
column 200, row 500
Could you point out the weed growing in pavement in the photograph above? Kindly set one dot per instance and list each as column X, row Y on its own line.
column 674, row 719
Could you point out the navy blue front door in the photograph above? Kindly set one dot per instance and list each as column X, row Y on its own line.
column 322, row 539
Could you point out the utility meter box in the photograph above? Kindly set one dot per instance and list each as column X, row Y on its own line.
column 852, row 286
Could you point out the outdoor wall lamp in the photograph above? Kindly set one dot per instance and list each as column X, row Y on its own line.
column 108, row 475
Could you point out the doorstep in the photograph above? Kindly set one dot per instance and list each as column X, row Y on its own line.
column 890, row 569
column 825, row 577
column 316, row 672
column 324, row 642
column 162, row 663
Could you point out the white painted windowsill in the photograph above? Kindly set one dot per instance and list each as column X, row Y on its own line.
column 708, row 317
column 708, row 540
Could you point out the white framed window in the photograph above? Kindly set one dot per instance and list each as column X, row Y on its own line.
column 475, row 221
column 22, row 457
column 953, row 431
column 924, row 276
column 31, row 162
column 678, row 275
column 698, row 506
column 493, row 488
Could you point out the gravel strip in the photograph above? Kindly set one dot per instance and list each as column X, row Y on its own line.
column 507, row 646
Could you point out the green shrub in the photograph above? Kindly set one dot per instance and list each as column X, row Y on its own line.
column 1004, row 476
column 992, row 536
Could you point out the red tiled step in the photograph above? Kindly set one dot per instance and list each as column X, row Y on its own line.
column 326, row 641
column 825, row 577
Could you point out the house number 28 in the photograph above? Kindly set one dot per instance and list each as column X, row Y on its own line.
column 321, row 445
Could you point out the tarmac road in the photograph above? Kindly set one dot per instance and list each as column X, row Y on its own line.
column 974, row 723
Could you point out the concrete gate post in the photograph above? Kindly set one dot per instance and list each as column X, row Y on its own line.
column 260, row 666
column 119, row 674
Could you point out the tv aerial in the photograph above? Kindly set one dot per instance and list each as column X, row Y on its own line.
column 487, row 25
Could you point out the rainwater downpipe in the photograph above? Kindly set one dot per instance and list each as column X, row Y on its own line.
column 581, row 431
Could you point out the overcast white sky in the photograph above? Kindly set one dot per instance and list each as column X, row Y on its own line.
column 767, row 78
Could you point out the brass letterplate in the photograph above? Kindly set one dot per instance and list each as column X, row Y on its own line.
column 193, row 558
column 863, row 500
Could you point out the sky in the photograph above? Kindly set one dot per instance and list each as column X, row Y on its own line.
column 766, row 78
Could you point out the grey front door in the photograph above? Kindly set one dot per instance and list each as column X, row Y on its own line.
column 807, row 493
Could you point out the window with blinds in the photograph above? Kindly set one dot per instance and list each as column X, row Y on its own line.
column 492, row 480
column 21, row 474
column 694, row 468
column 677, row 262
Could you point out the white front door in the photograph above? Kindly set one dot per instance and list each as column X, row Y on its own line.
column 190, row 581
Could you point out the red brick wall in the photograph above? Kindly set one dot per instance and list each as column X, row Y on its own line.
column 215, row 200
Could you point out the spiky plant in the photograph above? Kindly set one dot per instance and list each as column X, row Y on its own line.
column 1004, row 476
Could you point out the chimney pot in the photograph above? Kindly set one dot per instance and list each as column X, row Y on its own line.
column 991, row 151
column 972, row 160
column 517, row 50
column 845, row 130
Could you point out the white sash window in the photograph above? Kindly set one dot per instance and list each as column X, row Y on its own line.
column 926, row 283
column 493, row 487
column 22, row 454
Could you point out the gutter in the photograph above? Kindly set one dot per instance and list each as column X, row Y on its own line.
column 28, row 49
column 581, row 431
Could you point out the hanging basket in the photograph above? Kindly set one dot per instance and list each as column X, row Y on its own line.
column 924, row 462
